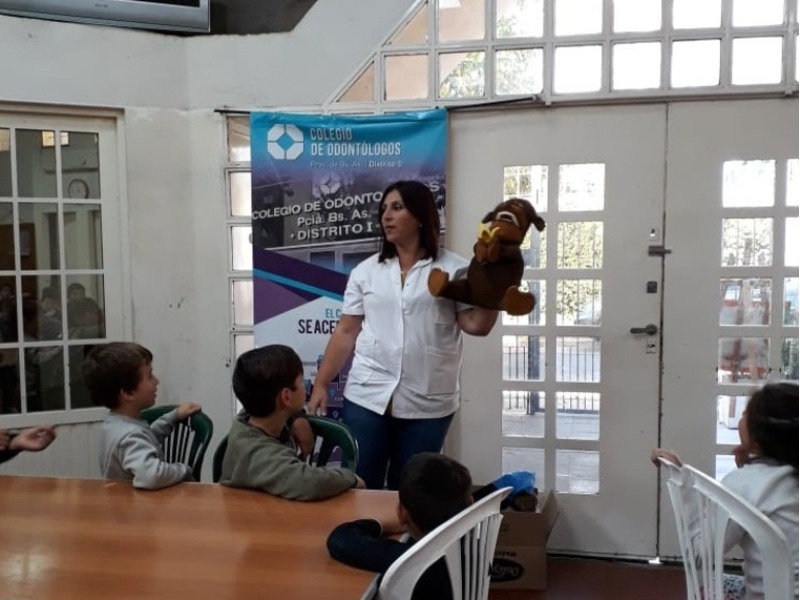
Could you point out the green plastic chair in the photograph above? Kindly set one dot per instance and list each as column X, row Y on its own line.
column 334, row 434
column 189, row 439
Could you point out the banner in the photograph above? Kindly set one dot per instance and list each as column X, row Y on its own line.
column 317, row 185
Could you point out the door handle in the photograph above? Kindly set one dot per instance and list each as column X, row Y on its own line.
column 649, row 329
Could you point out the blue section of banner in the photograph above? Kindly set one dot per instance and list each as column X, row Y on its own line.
column 318, row 179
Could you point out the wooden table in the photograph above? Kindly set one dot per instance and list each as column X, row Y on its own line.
column 80, row 539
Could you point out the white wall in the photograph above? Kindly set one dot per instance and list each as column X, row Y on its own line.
column 167, row 89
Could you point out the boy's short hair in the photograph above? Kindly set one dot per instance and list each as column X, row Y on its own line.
column 112, row 368
column 261, row 373
column 434, row 488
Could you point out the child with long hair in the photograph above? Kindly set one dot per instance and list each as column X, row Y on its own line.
column 767, row 477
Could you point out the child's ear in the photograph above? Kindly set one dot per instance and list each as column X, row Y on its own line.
column 402, row 515
column 285, row 397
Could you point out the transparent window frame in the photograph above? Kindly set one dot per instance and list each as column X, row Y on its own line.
column 107, row 274
column 548, row 42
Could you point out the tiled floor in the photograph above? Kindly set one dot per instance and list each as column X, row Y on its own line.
column 585, row 579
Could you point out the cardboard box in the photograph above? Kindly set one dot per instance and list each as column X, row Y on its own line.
column 520, row 559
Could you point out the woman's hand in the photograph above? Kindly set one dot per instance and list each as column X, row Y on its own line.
column 318, row 402
column 477, row 321
column 670, row 456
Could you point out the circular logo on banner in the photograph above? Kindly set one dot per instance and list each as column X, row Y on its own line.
column 284, row 142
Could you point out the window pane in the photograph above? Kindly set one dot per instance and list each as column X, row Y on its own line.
column 746, row 242
column 637, row 66
column 523, row 357
column 519, row 71
column 519, row 18
column 83, row 236
column 792, row 184
column 241, row 249
column 7, row 246
column 5, row 162
column 239, row 139
column 526, row 459
column 745, row 301
column 576, row 17
column 9, row 327
column 36, row 165
column 461, row 75
column 415, row 31
column 406, row 77
column 695, row 63
column 78, row 392
column 579, row 301
column 38, row 236
column 362, row 89
column 790, row 307
column 528, row 182
column 80, row 163
column 637, row 15
column 789, row 359
column 577, row 472
column 791, row 250
column 10, row 401
column 42, row 316
column 581, row 187
column 241, row 194
column 537, row 316
column 242, row 342
column 85, row 307
column 461, row 21
column 729, row 411
column 748, row 183
column 577, row 69
column 534, row 249
column 523, row 413
column 748, row 13
column 242, row 296
column 757, row 60
column 693, row 14
column 44, row 371
column 580, row 245
column 578, row 359
column 578, row 415
column 742, row 360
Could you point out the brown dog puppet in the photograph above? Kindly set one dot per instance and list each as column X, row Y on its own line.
column 495, row 271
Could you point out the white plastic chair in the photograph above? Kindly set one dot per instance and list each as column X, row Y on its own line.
column 717, row 506
column 471, row 534
column 684, row 505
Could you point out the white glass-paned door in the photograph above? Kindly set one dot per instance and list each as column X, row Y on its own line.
column 569, row 392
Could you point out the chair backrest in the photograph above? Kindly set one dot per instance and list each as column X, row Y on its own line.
column 334, row 434
column 717, row 506
column 189, row 439
column 684, row 505
column 467, row 543
column 219, row 456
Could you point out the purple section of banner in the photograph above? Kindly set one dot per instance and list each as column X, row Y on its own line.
column 304, row 273
column 278, row 299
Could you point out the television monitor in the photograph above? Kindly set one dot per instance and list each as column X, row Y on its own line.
column 171, row 15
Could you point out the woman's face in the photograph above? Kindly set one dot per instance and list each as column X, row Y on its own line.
column 399, row 226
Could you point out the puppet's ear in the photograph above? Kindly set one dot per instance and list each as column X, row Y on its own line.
column 489, row 217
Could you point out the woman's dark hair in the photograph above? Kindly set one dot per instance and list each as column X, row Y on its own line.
column 419, row 201
column 772, row 422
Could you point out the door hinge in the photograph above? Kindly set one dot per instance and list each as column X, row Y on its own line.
column 658, row 251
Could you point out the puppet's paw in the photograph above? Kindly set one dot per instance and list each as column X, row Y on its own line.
column 437, row 281
column 481, row 251
column 517, row 303
column 493, row 251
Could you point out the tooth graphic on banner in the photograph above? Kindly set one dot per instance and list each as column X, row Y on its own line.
column 317, row 188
